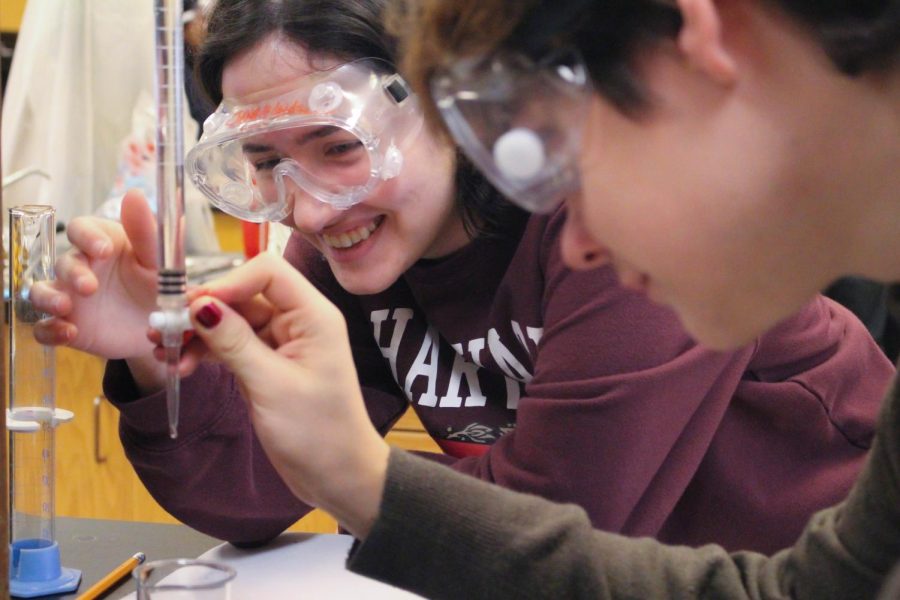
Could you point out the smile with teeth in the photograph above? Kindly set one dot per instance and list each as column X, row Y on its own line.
column 352, row 237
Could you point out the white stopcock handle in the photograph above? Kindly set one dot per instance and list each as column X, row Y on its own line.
column 29, row 418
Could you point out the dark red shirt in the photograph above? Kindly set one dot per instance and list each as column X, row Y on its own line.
column 565, row 385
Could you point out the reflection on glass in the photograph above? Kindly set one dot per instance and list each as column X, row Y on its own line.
column 183, row 578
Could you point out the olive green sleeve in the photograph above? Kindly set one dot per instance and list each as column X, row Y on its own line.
column 442, row 534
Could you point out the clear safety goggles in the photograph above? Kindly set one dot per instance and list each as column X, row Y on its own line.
column 520, row 122
column 335, row 135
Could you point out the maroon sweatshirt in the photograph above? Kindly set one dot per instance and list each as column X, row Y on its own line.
column 558, row 383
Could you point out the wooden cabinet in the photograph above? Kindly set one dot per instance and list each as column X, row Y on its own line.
column 93, row 477
column 409, row 434
column 95, row 480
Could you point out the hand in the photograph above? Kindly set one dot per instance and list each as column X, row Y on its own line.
column 288, row 347
column 105, row 286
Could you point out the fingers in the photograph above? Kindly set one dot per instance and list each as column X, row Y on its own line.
column 273, row 278
column 73, row 270
column 231, row 339
column 54, row 332
column 93, row 236
column 192, row 353
column 74, row 275
column 257, row 311
column 47, row 298
column 192, row 350
column 140, row 227
column 289, row 320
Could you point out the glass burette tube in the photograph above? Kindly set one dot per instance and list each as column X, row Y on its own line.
column 171, row 317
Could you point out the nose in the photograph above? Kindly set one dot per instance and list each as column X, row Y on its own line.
column 579, row 249
column 308, row 214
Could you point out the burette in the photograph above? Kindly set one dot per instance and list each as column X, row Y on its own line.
column 171, row 318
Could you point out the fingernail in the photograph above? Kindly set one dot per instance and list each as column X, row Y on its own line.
column 210, row 315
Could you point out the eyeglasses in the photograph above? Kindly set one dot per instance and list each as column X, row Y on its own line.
column 519, row 121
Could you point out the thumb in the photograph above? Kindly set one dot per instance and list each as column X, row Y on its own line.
column 231, row 339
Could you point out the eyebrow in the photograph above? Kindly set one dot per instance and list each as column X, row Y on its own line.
column 320, row 132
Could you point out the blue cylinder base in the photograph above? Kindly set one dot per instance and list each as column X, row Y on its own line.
column 34, row 570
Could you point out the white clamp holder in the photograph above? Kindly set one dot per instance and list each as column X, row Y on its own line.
column 29, row 418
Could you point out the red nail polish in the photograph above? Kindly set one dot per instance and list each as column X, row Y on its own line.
column 209, row 316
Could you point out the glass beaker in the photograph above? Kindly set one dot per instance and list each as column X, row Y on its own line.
column 32, row 414
column 183, row 579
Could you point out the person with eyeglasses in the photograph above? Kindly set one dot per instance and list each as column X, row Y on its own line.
column 733, row 158
column 620, row 412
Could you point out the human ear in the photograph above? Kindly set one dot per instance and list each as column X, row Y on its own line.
column 700, row 40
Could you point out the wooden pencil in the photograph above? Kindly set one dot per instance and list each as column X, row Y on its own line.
column 112, row 578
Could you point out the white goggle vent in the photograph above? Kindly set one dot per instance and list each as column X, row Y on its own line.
column 519, row 154
column 326, row 97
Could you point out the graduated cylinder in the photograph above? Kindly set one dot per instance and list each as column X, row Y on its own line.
column 32, row 379
column 34, row 566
